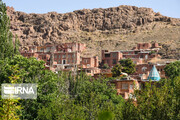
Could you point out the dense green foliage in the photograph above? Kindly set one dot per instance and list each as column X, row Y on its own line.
column 173, row 69
column 127, row 66
column 9, row 109
column 116, row 70
column 7, row 48
column 105, row 66
column 157, row 101
column 63, row 96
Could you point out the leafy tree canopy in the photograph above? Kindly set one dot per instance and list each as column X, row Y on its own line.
column 172, row 70
column 116, row 70
column 127, row 66
column 7, row 48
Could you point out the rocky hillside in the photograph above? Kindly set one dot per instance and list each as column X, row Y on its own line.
column 112, row 28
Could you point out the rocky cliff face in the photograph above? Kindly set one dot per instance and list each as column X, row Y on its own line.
column 113, row 28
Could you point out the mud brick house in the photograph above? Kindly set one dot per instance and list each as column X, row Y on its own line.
column 71, row 47
column 111, row 58
column 90, row 65
column 143, row 70
column 142, row 53
column 106, row 73
column 91, row 71
column 126, row 86
column 29, row 54
column 66, row 57
column 146, row 46
column 89, row 62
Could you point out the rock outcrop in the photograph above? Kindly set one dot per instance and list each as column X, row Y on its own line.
column 96, row 27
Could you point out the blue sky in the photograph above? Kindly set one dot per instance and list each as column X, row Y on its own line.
column 169, row 8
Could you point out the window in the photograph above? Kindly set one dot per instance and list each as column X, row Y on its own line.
column 114, row 61
column 63, row 61
column 59, row 56
column 72, row 60
column 69, row 60
column 114, row 55
column 124, row 86
column 55, row 56
column 74, row 55
column 59, row 62
column 88, row 71
column 48, row 49
column 63, row 56
column 107, row 55
column 41, row 50
column 131, row 86
column 69, row 56
column 85, row 60
column 144, row 69
column 136, row 52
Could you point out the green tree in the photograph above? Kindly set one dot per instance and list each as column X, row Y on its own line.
column 84, row 103
column 6, row 42
column 16, row 46
column 127, row 66
column 172, row 70
column 106, row 115
column 10, row 108
column 106, row 66
column 157, row 101
column 116, row 70
column 29, row 71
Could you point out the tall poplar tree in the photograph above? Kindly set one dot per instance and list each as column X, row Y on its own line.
column 6, row 42
column 16, row 46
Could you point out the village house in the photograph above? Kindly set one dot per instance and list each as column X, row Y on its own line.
column 64, row 57
column 111, row 58
column 90, row 65
column 142, row 53
column 127, row 85
column 69, row 57
column 143, row 70
column 147, row 46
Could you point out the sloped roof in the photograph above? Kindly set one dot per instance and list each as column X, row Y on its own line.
column 154, row 75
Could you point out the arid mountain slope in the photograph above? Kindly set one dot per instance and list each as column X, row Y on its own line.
column 112, row 28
